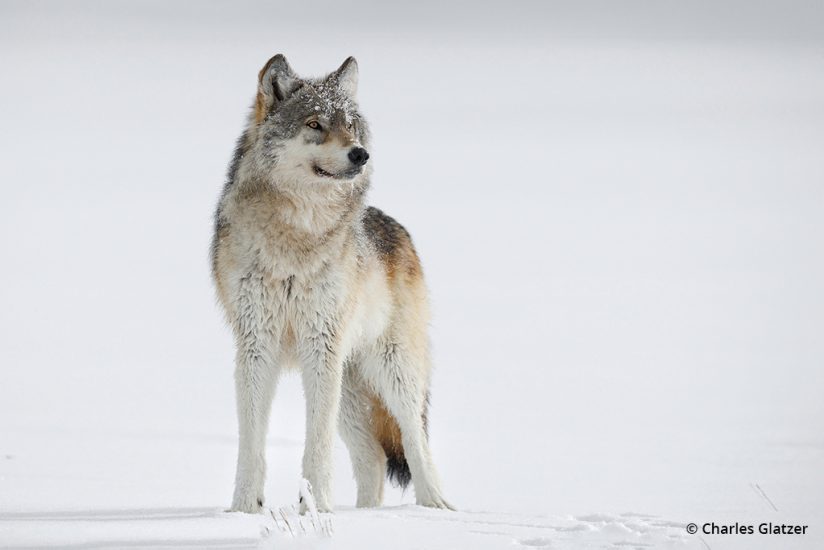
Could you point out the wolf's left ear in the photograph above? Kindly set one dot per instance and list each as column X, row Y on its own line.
column 276, row 82
column 347, row 76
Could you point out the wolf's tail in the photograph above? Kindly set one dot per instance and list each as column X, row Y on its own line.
column 389, row 436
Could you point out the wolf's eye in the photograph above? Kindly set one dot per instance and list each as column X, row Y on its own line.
column 313, row 124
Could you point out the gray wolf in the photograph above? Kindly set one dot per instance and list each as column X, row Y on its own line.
column 312, row 278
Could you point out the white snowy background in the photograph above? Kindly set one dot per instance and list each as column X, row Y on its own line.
column 620, row 210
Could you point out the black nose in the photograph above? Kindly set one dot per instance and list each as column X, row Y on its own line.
column 358, row 156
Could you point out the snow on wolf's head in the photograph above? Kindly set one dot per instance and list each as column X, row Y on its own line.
column 309, row 131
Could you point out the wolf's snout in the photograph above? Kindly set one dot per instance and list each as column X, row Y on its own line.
column 358, row 156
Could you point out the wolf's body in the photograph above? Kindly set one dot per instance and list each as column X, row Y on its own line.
column 309, row 276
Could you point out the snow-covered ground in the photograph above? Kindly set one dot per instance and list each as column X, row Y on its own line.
column 619, row 206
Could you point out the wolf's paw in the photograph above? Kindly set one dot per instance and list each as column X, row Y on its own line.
column 248, row 504
column 320, row 507
column 436, row 501
column 312, row 502
column 372, row 502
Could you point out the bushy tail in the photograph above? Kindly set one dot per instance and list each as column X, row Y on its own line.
column 389, row 436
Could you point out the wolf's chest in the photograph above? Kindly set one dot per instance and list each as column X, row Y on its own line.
column 352, row 303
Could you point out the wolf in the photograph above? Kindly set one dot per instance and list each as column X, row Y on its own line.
column 310, row 277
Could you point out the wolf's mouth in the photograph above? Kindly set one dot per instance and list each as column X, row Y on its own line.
column 345, row 175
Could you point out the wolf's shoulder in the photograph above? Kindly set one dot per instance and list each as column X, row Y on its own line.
column 384, row 232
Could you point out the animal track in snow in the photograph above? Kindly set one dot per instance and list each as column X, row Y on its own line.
column 539, row 542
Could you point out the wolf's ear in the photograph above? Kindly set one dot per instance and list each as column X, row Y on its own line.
column 347, row 76
column 276, row 82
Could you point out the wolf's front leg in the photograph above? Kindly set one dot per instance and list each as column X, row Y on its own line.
column 255, row 384
column 322, row 376
column 256, row 375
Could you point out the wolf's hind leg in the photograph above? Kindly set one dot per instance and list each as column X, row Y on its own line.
column 402, row 385
column 368, row 458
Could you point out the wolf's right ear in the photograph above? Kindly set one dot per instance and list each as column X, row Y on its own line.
column 276, row 82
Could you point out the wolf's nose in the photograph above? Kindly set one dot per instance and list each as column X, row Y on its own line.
column 358, row 156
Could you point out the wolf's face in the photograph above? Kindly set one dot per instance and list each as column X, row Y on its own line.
column 309, row 131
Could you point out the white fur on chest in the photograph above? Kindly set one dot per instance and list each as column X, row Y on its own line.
column 355, row 296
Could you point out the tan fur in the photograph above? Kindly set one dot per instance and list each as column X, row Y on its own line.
column 261, row 108
column 386, row 429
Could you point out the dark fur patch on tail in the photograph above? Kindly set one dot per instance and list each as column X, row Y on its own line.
column 397, row 470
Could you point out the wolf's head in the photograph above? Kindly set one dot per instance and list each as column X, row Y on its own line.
column 308, row 131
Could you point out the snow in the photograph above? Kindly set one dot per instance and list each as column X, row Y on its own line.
column 620, row 213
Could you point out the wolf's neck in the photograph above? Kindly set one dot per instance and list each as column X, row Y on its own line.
column 298, row 209
column 317, row 210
